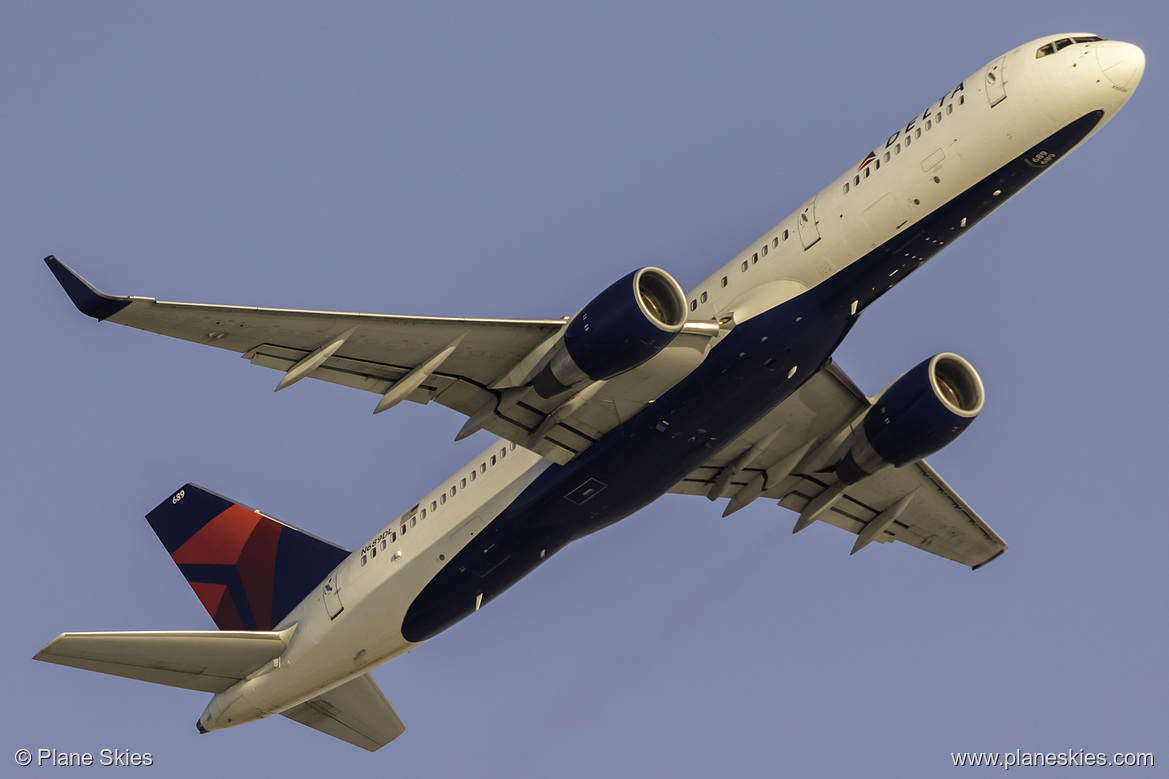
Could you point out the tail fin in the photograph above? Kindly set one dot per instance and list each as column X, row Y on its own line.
column 248, row 569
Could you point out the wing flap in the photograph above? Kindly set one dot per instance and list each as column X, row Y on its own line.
column 206, row 660
column 356, row 712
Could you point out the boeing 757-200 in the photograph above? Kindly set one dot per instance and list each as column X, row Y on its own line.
column 728, row 391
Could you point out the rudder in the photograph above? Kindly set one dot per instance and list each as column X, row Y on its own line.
column 247, row 569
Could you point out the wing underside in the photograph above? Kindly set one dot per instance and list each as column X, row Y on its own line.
column 477, row 367
column 785, row 457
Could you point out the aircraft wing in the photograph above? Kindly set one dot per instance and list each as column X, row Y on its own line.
column 783, row 457
column 478, row 367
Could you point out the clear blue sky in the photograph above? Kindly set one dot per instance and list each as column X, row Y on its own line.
column 512, row 160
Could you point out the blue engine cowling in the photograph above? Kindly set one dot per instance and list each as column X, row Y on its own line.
column 914, row 417
column 624, row 326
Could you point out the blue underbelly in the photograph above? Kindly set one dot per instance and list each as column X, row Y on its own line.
column 744, row 377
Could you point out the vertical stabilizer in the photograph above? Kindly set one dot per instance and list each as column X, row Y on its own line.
column 248, row 569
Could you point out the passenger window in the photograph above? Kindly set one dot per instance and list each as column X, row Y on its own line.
column 743, row 267
column 887, row 155
column 442, row 498
column 855, row 180
column 424, row 513
column 493, row 459
column 917, row 133
column 774, row 243
column 928, row 123
column 482, row 467
column 363, row 558
column 897, row 149
column 463, row 483
column 383, row 543
column 403, row 529
column 454, row 490
column 413, row 521
column 703, row 297
column 866, row 176
column 785, row 235
column 950, row 109
column 472, row 475
column 877, row 164
column 846, row 187
column 764, row 250
column 393, row 538
column 502, row 453
column 433, row 506
column 694, row 304
column 724, row 281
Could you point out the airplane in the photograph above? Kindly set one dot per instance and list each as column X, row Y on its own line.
column 728, row 391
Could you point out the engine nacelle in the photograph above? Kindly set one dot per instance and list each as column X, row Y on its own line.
column 914, row 417
column 621, row 328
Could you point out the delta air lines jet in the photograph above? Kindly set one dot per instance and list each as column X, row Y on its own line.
column 728, row 391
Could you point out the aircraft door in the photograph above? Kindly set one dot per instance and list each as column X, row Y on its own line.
column 996, row 85
column 332, row 595
column 806, row 224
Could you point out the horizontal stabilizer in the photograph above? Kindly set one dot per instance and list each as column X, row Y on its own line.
column 207, row 660
column 356, row 712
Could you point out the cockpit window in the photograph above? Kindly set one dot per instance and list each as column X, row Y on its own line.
column 1063, row 43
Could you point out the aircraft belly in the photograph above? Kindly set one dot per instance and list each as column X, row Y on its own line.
column 751, row 370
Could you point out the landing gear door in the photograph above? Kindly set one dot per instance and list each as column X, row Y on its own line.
column 806, row 224
column 332, row 595
column 996, row 84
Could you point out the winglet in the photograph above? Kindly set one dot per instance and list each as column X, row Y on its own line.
column 84, row 295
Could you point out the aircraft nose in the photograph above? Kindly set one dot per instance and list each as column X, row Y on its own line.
column 1122, row 63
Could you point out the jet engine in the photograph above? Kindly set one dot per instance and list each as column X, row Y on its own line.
column 914, row 417
column 621, row 328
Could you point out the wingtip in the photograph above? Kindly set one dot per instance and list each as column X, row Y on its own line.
column 88, row 299
column 991, row 559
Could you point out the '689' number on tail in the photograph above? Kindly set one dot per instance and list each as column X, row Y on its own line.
column 178, row 496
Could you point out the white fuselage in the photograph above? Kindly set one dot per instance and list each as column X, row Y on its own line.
column 971, row 131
